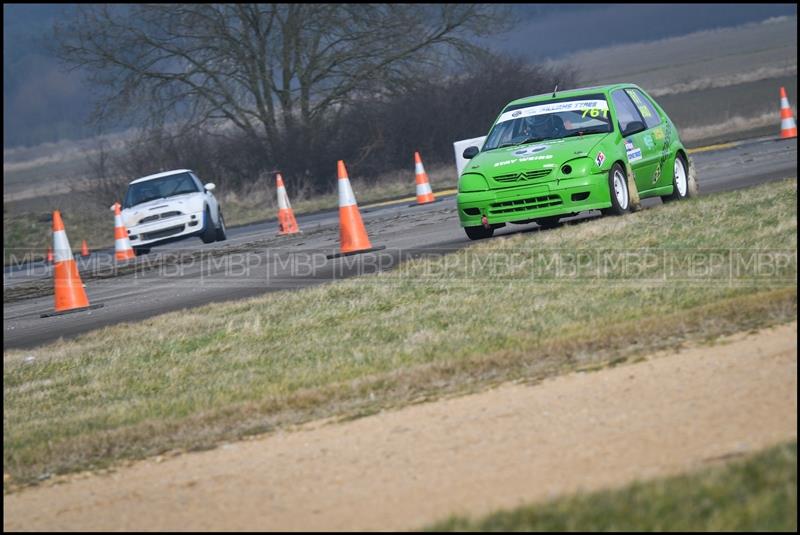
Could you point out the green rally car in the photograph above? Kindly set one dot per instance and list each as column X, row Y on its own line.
column 554, row 155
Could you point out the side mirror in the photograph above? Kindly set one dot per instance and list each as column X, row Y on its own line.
column 470, row 152
column 210, row 186
column 634, row 127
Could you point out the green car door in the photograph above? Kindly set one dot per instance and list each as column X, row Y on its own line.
column 657, row 138
column 642, row 147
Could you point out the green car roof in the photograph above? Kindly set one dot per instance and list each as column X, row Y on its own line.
column 569, row 93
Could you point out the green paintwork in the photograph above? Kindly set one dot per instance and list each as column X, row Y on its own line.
column 494, row 183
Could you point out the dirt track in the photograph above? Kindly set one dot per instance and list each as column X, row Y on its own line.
column 473, row 454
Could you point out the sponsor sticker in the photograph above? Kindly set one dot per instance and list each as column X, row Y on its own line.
column 629, row 145
column 600, row 159
column 659, row 133
column 634, row 155
column 542, row 109
column 534, row 158
column 504, row 162
column 648, row 140
column 530, row 150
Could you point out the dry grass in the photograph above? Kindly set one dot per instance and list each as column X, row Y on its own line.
column 731, row 125
column 190, row 379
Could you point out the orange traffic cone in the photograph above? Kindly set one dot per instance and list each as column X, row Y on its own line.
column 122, row 245
column 788, row 126
column 287, row 224
column 69, row 293
column 84, row 249
column 424, row 192
column 352, row 234
column 49, row 255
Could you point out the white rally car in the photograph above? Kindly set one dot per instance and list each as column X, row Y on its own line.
column 171, row 206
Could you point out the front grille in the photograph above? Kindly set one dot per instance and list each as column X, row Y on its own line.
column 163, row 233
column 156, row 217
column 527, row 175
column 523, row 205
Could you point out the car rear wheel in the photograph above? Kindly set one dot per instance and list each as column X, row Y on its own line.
column 618, row 191
column 222, row 234
column 479, row 233
column 680, row 181
column 209, row 232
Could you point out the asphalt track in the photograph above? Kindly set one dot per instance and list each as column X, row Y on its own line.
column 254, row 260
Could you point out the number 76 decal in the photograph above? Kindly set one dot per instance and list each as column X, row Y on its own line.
column 595, row 112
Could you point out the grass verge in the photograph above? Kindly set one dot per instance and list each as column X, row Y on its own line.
column 755, row 494
column 496, row 311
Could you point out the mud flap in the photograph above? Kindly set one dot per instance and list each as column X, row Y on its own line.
column 692, row 190
column 633, row 192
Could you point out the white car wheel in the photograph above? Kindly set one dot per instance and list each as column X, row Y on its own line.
column 680, row 181
column 621, row 189
column 618, row 191
column 680, row 178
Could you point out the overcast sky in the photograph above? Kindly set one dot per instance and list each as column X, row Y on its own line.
column 42, row 103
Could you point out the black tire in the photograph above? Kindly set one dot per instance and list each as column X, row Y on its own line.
column 619, row 194
column 222, row 233
column 479, row 233
column 139, row 251
column 677, row 194
column 209, row 232
column 549, row 222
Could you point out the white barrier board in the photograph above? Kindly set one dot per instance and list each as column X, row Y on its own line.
column 459, row 147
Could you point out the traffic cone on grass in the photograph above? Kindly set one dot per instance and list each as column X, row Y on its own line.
column 788, row 126
column 84, row 249
column 424, row 192
column 287, row 224
column 352, row 234
column 70, row 295
column 122, row 244
column 49, row 255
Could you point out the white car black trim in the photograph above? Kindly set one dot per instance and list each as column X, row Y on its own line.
column 170, row 206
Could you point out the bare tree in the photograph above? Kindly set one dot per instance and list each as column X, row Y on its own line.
column 104, row 183
column 275, row 72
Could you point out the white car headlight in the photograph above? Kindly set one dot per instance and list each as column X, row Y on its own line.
column 130, row 220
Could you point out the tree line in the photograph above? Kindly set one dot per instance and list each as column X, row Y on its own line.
column 237, row 91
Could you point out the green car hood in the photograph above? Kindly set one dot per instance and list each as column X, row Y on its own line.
column 498, row 166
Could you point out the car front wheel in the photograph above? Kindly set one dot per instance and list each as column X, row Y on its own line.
column 618, row 191
column 479, row 233
column 549, row 222
column 222, row 234
column 209, row 232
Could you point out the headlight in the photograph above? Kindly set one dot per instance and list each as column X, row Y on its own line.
column 472, row 182
column 576, row 168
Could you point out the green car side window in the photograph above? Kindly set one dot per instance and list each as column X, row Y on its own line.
column 626, row 111
column 645, row 108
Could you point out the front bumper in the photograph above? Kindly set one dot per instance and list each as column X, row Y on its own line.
column 165, row 230
column 532, row 201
